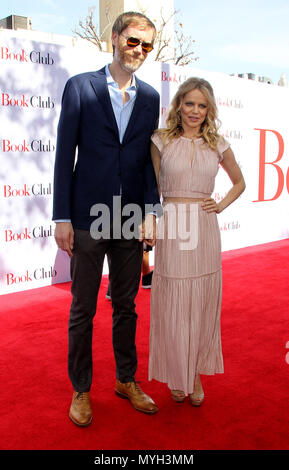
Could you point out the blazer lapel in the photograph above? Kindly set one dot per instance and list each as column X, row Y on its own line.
column 99, row 84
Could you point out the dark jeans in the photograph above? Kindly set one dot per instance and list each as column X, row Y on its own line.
column 86, row 272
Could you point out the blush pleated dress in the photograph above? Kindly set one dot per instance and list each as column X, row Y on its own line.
column 186, row 292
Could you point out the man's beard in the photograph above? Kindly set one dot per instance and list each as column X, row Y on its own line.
column 125, row 64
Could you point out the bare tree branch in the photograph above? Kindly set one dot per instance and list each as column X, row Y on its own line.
column 182, row 53
column 162, row 43
column 88, row 29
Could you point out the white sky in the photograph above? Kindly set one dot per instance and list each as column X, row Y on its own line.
column 245, row 36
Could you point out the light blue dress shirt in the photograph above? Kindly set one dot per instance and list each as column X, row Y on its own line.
column 122, row 111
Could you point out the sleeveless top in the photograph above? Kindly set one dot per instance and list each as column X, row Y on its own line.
column 184, row 173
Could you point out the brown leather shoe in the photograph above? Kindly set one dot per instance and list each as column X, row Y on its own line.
column 80, row 411
column 139, row 400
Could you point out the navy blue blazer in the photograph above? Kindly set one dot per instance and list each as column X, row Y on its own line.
column 91, row 164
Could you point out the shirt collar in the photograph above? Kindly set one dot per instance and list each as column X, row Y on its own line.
column 111, row 80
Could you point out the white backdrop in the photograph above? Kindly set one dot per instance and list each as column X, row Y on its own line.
column 33, row 74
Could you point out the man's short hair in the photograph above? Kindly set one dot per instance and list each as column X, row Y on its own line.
column 130, row 18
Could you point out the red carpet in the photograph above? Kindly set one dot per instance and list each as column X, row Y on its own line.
column 244, row 408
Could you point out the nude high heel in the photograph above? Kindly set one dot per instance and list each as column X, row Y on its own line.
column 198, row 396
column 178, row 396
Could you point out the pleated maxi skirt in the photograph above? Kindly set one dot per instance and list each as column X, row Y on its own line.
column 186, row 296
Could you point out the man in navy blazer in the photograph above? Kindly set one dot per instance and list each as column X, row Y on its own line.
column 107, row 119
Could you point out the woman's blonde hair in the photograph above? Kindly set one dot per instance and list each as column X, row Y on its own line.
column 209, row 128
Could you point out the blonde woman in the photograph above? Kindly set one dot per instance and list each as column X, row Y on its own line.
column 185, row 337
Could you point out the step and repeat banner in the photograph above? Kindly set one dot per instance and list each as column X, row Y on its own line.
column 254, row 120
